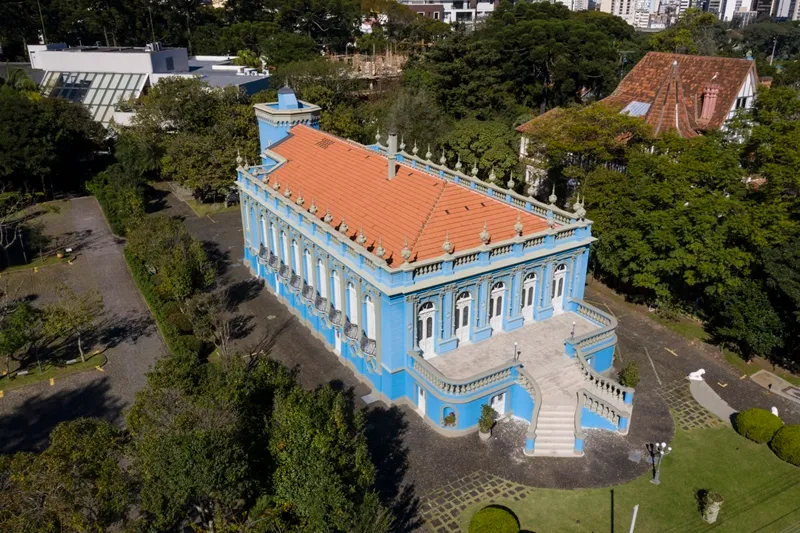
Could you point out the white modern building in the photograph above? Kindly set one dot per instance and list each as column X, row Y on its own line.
column 452, row 11
column 625, row 9
column 103, row 77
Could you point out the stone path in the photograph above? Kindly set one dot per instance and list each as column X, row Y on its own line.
column 443, row 508
column 687, row 412
column 710, row 400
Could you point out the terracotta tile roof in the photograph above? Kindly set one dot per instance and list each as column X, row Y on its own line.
column 673, row 85
column 351, row 181
column 552, row 114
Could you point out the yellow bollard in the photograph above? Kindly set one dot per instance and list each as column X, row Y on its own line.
column 1, row 394
column 100, row 369
column 52, row 381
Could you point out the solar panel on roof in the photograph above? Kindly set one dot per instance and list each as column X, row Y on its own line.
column 98, row 91
column 636, row 109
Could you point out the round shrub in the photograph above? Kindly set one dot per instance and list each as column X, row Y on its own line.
column 494, row 519
column 191, row 344
column 758, row 425
column 629, row 376
column 170, row 308
column 181, row 323
column 786, row 444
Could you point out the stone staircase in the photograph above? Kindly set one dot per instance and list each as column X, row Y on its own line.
column 559, row 381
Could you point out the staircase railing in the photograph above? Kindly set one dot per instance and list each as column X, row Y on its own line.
column 610, row 411
column 460, row 387
column 532, row 386
column 595, row 383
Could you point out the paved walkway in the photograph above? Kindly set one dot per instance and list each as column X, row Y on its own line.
column 777, row 385
column 28, row 414
column 538, row 344
column 710, row 400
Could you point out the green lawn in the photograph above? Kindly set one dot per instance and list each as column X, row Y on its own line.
column 200, row 209
column 685, row 327
column 51, row 371
column 762, row 493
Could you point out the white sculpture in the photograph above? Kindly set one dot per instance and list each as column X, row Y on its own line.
column 774, row 410
column 697, row 376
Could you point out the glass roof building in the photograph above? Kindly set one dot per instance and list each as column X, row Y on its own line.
column 99, row 92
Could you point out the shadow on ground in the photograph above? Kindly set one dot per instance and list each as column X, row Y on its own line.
column 29, row 427
column 386, row 428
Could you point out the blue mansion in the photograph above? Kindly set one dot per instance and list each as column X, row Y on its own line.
column 440, row 291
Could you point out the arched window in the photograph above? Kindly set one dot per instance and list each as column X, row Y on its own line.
column 273, row 245
column 307, row 269
column 264, row 234
column 352, row 303
column 322, row 276
column 296, row 257
column 370, row 326
column 425, row 327
column 462, row 316
column 285, row 250
column 336, row 291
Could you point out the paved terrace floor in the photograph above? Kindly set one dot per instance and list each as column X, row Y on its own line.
column 539, row 344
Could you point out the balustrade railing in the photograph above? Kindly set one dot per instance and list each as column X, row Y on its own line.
column 428, row 269
column 532, row 386
column 351, row 330
column 336, row 317
column 369, row 346
column 308, row 292
column 565, row 234
column 611, row 411
column 465, row 259
column 501, row 250
column 530, row 243
column 595, row 383
column 460, row 387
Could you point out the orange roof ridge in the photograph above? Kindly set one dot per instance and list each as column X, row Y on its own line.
column 350, row 179
column 428, row 218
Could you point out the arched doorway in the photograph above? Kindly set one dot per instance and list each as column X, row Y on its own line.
column 559, row 278
column 528, row 295
column 496, row 305
column 462, row 317
column 425, row 328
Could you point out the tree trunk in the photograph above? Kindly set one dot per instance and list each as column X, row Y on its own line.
column 80, row 349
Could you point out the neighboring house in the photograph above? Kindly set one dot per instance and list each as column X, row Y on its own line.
column 101, row 78
column 685, row 94
column 440, row 291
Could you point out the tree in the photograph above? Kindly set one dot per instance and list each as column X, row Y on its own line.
column 179, row 261
column 73, row 315
column 490, row 145
column 322, row 466
column 697, row 33
column 207, row 129
column 746, row 317
column 18, row 321
column 76, row 484
column 210, row 321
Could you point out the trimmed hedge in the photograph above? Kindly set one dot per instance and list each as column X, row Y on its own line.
column 758, row 425
column 494, row 519
column 786, row 444
column 177, row 343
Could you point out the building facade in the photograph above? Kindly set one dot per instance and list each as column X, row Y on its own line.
column 453, row 11
column 441, row 292
column 101, row 78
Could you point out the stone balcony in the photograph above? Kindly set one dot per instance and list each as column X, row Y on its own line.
column 539, row 345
